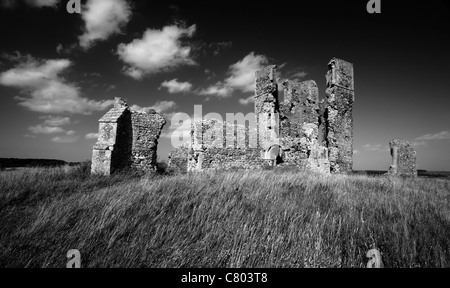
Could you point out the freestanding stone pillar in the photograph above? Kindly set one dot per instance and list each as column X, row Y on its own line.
column 403, row 158
column 338, row 117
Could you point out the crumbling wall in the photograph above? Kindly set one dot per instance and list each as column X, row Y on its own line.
column 299, row 131
column 267, row 107
column 177, row 161
column 338, row 115
column 113, row 147
column 126, row 139
column 147, row 126
column 217, row 145
column 403, row 158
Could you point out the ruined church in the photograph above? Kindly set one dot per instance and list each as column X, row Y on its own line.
column 310, row 134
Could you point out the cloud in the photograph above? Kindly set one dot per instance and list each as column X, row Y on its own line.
column 91, row 136
column 173, row 86
column 60, row 49
column 248, row 100
column 417, row 144
column 17, row 57
column 43, row 90
column 102, row 19
column 65, row 139
column 160, row 106
column 51, row 125
column 111, row 87
column 134, row 73
column 220, row 46
column 39, row 129
column 356, row 152
column 299, row 75
column 33, row 3
column 243, row 72
column 55, row 121
column 157, row 51
column 377, row 147
column 443, row 135
column 241, row 77
column 218, row 89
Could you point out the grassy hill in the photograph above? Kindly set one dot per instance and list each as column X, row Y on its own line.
column 229, row 219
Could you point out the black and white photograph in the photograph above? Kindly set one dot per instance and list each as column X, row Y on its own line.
column 264, row 135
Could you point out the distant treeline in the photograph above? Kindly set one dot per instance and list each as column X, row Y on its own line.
column 14, row 163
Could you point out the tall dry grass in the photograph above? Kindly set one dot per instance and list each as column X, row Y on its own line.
column 227, row 219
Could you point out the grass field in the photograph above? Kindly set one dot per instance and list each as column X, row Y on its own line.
column 277, row 218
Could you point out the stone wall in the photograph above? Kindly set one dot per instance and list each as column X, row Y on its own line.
column 287, row 133
column 113, row 147
column 301, row 131
column 403, row 158
column 267, row 107
column 299, row 127
column 177, row 161
column 126, row 139
column 147, row 126
column 217, row 145
column 338, row 115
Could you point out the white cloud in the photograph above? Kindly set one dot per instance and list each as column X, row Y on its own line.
column 160, row 106
column 43, row 90
column 243, row 72
column 300, row 75
column 156, row 51
column 248, row 100
column 242, row 77
column 443, row 135
column 417, row 144
column 134, row 73
column 174, row 86
column 65, row 139
column 39, row 129
column 103, row 18
column 55, row 121
column 219, row 90
column 60, row 49
column 111, row 87
column 377, row 147
column 91, row 136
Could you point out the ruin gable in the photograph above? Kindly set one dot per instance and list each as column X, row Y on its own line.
column 126, row 139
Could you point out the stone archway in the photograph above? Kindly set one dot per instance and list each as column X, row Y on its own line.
column 274, row 153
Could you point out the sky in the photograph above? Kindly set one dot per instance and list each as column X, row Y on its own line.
column 60, row 72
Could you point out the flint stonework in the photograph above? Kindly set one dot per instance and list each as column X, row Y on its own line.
column 338, row 115
column 403, row 158
column 126, row 139
column 299, row 131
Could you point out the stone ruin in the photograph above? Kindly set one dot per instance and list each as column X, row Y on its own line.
column 299, row 131
column 309, row 134
column 126, row 138
column 403, row 159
